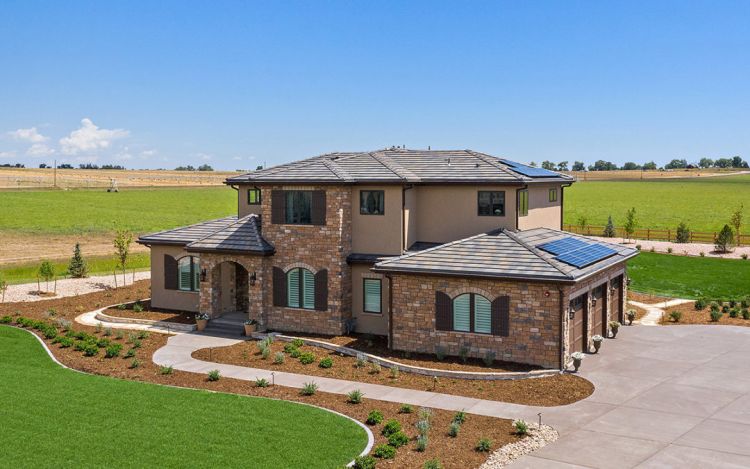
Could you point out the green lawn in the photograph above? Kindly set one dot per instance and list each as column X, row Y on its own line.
column 26, row 273
column 54, row 417
column 705, row 204
column 97, row 211
column 690, row 277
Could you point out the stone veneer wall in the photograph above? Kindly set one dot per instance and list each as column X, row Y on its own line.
column 210, row 287
column 534, row 319
column 319, row 246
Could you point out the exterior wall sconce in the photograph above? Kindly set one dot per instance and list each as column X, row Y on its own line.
column 252, row 278
column 593, row 301
column 571, row 313
column 203, row 275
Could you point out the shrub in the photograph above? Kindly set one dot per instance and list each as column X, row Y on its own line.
column 295, row 353
column 683, row 233
column 463, row 353
column 289, row 348
column 489, row 358
column 364, row 462
column 326, row 362
column 669, row 250
column 361, row 360
column 439, row 353
column 675, row 316
column 214, row 375
column 745, row 313
column 298, row 343
column 459, row 417
column 374, row 417
column 77, row 267
column 744, row 256
column 64, row 342
column 725, row 309
column 392, row 426
column 454, row 429
column 122, row 306
column 138, row 307
column 609, row 230
column 425, row 413
column 715, row 316
column 113, row 350
column 405, row 409
column 165, row 370
column 724, row 239
column 307, row 358
column 354, row 397
column 119, row 334
column 395, row 372
column 6, row 320
column 700, row 304
column 638, row 247
column 484, row 445
column 130, row 353
column 521, row 427
column 422, row 441
column 398, row 439
column 136, row 343
column 732, row 303
column 261, row 383
column 432, row 464
column 734, row 312
column 702, row 254
column 102, row 343
column 714, row 306
column 135, row 363
column 265, row 353
column 98, row 328
column 107, row 331
column 308, row 389
column 745, row 303
column 375, row 368
column 279, row 358
column 90, row 350
column 384, row 452
column 143, row 335
column 423, row 426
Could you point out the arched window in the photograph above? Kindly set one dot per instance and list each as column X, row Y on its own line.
column 472, row 313
column 300, row 286
column 188, row 273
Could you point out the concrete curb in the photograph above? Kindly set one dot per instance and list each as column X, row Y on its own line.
column 97, row 317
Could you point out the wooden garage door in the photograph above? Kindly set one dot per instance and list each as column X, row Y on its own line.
column 577, row 324
column 616, row 301
column 599, row 313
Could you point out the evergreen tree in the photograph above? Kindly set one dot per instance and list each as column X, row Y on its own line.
column 609, row 230
column 683, row 233
column 725, row 239
column 77, row 267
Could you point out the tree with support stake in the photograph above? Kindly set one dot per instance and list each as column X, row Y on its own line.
column 122, row 242
column 46, row 271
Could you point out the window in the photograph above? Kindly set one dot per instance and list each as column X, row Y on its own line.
column 372, row 295
column 472, row 313
column 553, row 195
column 188, row 274
column 300, row 286
column 491, row 203
column 298, row 207
column 371, row 202
column 253, row 196
column 523, row 203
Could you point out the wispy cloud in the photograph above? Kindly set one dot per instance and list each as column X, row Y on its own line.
column 90, row 138
column 40, row 150
column 7, row 154
column 28, row 135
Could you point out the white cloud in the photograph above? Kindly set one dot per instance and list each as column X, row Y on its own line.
column 148, row 153
column 237, row 158
column 204, row 156
column 40, row 149
column 28, row 135
column 90, row 138
column 7, row 154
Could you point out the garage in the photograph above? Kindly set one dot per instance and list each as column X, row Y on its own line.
column 576, row 336
column 616, row 299
column 599, row 310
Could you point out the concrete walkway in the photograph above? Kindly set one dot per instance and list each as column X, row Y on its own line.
column 676, row 396
column 654, row 312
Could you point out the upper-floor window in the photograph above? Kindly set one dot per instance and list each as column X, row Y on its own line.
column 472, row 313
column 491, row 203
column 371, row 202
column 553, row 195
column 188, row 274
column 300, row 285
column 298, row 208
column 253, row 196
column 523, row 203
column 372, row 295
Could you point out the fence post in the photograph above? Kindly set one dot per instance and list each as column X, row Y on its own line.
column 669, row 236
column 648, row 234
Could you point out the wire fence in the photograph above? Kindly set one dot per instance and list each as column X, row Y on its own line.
column 654, row 234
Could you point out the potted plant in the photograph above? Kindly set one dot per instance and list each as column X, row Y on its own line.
column 201, row 321
column 597, row 342
column 577, row 359
column 614, row 326
column 631, row 316
column 251, row 325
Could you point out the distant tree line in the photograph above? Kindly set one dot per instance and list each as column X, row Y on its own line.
column 203, row 167
column 602, row 165
column 12, row 165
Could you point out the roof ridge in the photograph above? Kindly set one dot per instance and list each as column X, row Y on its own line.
column 491, row 160
column 191, row 225
column 533, row 250
column 394, row 166
column 297, row 164
column 340, row 172
column 221, row 229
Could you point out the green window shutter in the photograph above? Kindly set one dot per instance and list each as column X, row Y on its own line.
column 292, row 288
column 308, row 289
column 372, row 295
column 462, row 313
column 482, row 315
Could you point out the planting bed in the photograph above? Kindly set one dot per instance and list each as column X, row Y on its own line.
column 152, row 314
column 691, row 316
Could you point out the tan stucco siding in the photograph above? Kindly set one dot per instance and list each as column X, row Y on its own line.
column 243, row 208
column 377, row 234
column 542, row 212
column 160, row 296
column 369, row 323
column 410, row 217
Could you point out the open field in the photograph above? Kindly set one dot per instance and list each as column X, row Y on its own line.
column 705, row 204
column 56, row 416
column 637, row 174
column 27, row 272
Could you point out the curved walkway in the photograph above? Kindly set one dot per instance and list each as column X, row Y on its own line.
column 654, row 312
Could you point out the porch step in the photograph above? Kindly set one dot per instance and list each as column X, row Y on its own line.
column 228, row 329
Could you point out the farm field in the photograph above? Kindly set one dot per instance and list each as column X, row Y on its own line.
column 57, row 416
column 97, row 265
column 704, row 204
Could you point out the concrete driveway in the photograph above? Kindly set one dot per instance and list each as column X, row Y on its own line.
column 667, row 396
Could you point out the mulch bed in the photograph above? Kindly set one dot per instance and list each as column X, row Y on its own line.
column 691, row 316
column 545, row 391
column 452, row 452
column 150, row 313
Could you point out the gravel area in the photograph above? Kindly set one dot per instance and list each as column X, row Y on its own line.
column 685, row 249
column 69, row 287
column 537, row 438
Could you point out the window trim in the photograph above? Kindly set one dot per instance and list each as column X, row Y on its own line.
column 523, row 208
column 195, row 284
column 257, row 191
column 479, row 194
column 286, row 206
column 364, row 296
column 361, row 201
column 472, row 314
column 553, row 194
column 300, row 288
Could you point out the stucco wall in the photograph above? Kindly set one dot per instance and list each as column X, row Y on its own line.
column 377, row 234
column 542, row 212
column 160, row 296
column 411, row 209
column 369, row 323
column 243, row 208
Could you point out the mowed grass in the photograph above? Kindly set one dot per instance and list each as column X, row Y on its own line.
column 27, row 272
column 54, row 417
column 705, row 204
column 690, row 277
column 97, row 211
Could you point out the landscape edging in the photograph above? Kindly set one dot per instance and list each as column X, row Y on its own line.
column 175, row 326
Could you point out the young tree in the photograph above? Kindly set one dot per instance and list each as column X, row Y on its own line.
column 3, row 289
column 683, row 233
column 609, row 230
column 725, row 239
column 77, row 267
column 630, row 223
column 46, row 271
column 736, row 221
column 583, row 221
column 123, row 239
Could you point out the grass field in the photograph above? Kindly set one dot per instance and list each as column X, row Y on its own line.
column 55, row 417
column 689, row 277
column 27, row 272
column 705, row 204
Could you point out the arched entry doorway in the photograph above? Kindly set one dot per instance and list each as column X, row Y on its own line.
column 229, row 289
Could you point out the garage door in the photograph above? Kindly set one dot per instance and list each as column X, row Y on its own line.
column 616, row 301
column 599, row 313
column 577, row 323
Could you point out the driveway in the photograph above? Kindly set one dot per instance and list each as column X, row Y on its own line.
column 669, row 396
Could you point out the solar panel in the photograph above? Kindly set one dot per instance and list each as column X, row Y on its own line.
column 529, row 171
column 561, row 246
column 586, row 255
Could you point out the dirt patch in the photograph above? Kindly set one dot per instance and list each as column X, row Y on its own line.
column 545, row 391
column 55, row 247
column 128, row 310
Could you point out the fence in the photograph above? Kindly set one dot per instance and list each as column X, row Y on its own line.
column 653, row 234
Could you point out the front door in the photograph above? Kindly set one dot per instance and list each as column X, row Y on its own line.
column 576, row 334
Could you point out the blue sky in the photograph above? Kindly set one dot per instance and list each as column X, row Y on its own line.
column 236, row 84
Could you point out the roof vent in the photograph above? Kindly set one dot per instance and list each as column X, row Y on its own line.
column 476, row 165
column 449, row 161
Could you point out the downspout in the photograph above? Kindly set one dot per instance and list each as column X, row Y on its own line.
column 238, row 198
column 403, row 216
column 562, row 203
column 561, row 340
column 390, row 311
column 525, row 186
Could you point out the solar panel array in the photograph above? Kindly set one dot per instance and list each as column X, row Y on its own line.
column 577, row 253
column 530, row 171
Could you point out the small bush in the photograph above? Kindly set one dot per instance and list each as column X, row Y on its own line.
column 113, row 350
column 62, row 323
column 364, row 462
column 423, row 426
column 700, row 304
column 261, row 383
column 732, row 303
column 439, row 353
column 454, row 428
column 99, row 327
column 463, row 353
column 326, row 362
column 484, row 445
column 734, row 312
column 289, row 348
column 392, row 426
column 295, row 353
column 714, row 306
column 725, row 309
column 165, row 370
column 298, row 343
column 138, row 307
column 521, row 427
column 432, row 464
column 279, row 358
column 683, row 233
column 119, row 334
column 102, row 343
column 130, row 353
column 375, row 368
column 361, row 360
column 135, row 363
column 459, row 417
column 384, row 452
column 107, row 331
column 425, row 413
column 307, row 358
column 143, row 335
column 669, row 250
column 374, row 417
column 122, row 306
column 405, row 409
column 90, row 350
column 64, row 342
column 422, row 441
column 214, row 375
column 265, row 353
column 675, row 316
column 354, row 397
column 136, row 343
column 744, row 256
column 715, row 316
column 6, row 320
column 398, row 439
column 745, row 303
column 308, row 389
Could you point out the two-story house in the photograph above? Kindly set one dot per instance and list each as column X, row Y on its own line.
column 451, row 249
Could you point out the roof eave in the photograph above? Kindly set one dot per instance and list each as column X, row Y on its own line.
column 231, row 251
column 474, row 274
